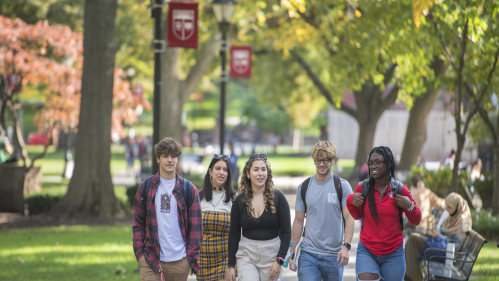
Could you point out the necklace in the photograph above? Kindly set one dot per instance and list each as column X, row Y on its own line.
column 219, row 189
column 215, row 205
column 381, row 193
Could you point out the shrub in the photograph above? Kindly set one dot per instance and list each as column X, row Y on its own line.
column 485, row 223
column 440, row 181
column 485, row 188
column 43, row 201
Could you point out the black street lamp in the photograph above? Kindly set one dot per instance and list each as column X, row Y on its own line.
column 223, row 10
column 130, row 73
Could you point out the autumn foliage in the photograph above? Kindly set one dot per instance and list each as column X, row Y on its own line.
column 51, row 58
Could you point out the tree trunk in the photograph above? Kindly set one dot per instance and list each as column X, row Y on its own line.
column 172, row 101
column 415, row 136
column 174, row 92
column 495, row 193
column 455, row 170
column 91, row 191
column 365, row 142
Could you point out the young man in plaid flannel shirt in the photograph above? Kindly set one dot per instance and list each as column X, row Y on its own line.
column 167, row 231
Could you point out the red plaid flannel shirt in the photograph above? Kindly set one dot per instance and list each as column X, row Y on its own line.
column 145, row 224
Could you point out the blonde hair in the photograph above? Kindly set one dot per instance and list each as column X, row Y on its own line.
column 245, row 187
column 324, row 150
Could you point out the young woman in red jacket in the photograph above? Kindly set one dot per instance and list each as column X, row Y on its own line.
column 380, row 252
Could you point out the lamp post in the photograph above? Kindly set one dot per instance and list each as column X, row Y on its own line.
column 223, row 10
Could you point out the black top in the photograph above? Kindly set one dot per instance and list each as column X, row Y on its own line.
column 268, row 226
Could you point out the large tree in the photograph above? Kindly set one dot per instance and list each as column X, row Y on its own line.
column 360, row 47
column 91, row 190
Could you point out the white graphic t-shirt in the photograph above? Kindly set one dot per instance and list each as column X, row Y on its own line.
column 172, row 246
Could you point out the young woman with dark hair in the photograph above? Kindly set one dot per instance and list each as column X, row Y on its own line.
column 216, row 196
column 380, row 253
column 262, row 213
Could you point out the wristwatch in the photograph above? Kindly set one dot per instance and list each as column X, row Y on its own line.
column 348, row 245
column 279, row 260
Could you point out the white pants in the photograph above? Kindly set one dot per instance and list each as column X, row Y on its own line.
column 254, row 258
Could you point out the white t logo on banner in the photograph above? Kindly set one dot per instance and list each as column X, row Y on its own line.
column 183, row 24
column 240, row 61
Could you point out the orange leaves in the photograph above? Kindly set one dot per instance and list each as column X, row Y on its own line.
column 51, row 56
column 420, row 7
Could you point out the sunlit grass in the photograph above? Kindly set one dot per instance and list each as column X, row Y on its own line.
column 68, row 253
column 487, row 263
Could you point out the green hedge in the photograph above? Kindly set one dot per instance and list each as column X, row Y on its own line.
column 485, row 223
column 440, row 181
column 42, row 202
column 485, row 188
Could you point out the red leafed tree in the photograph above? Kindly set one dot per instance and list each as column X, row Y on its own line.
column 51, row 58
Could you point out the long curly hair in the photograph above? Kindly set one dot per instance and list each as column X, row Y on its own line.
column 246, row 190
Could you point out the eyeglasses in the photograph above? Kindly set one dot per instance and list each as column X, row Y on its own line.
column 325, row 161
column 376, row 164
column 220, row 156
column 263, row 156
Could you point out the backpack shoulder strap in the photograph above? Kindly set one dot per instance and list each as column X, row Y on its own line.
column 303, row 193
column 187, row 193
column 397, row 187
column 364, row 188
column 339, row 193
column 145, row 189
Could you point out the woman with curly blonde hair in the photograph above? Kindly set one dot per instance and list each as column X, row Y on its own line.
column 262, row 213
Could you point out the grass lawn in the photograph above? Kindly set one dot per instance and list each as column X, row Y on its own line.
column 487, row 263
column 68, row 253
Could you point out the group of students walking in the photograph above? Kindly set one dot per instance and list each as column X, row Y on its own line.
column 220, row 234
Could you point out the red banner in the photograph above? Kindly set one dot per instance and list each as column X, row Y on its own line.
column 240, row 61
column 183, row 25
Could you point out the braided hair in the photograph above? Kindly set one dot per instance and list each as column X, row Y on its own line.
column 387, row 154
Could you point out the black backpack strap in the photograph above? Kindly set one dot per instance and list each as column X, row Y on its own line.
column 145, row 190
column 303, row 193
column 304, row 187
column 339, row 194
column 187, row 193
column 397, row 187
column 364, row 188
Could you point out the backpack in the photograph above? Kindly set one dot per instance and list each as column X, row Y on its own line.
column 147, row 185
column 396, row 186
column 339, row 193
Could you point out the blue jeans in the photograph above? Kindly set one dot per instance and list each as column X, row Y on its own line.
column 314, row 267
column 390, row 267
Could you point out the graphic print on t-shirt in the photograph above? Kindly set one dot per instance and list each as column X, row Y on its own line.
column 332, row 198
column 165, row 203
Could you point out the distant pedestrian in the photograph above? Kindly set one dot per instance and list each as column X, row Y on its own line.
column 5, row 148
column 380, row 252
column 262, row 214
column 233, row 164
column 167, row 222
column 130, row 154
column 216, row 195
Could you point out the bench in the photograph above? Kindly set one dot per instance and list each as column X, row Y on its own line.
column 463, row 260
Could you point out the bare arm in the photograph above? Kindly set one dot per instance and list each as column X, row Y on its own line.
column 349, row 225
column 297, row 229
